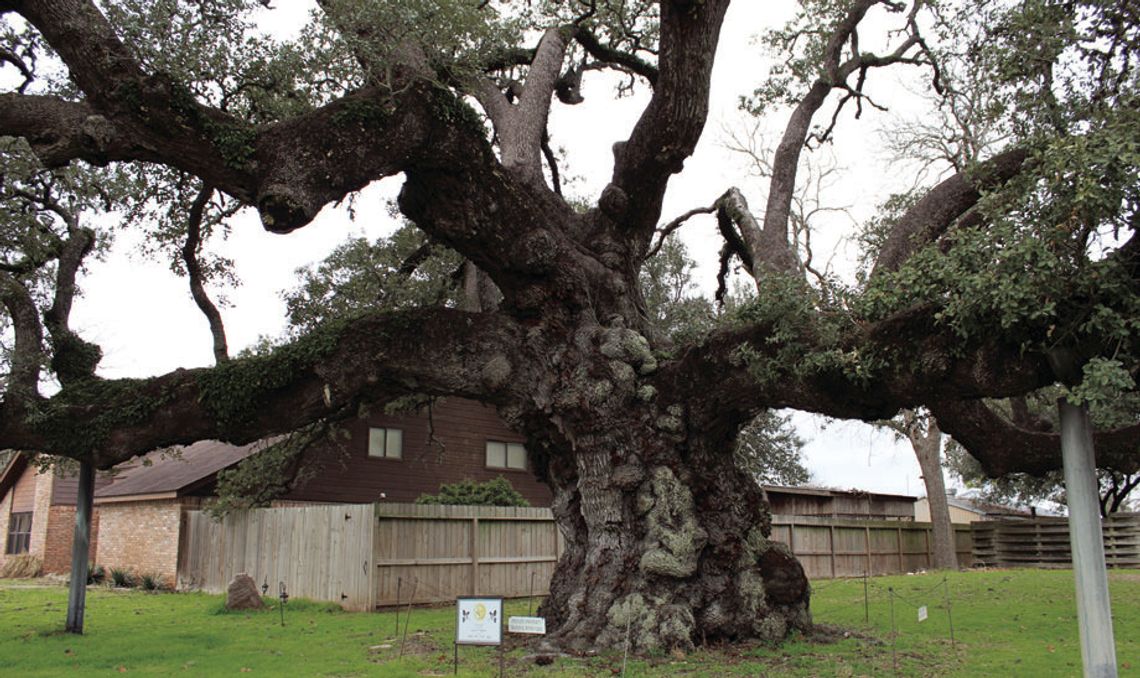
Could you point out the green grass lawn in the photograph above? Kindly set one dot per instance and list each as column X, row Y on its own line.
column 1006, row 623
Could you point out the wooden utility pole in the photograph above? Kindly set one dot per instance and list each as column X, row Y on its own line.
column 80, row 548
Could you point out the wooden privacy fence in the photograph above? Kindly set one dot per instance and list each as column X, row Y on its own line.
column 440, row 552
column 1044, row 542
column 365, row 556
column 829, row 547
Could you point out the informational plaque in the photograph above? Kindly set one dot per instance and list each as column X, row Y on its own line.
column 530, row 625
column 478, row 621
column 922, row 613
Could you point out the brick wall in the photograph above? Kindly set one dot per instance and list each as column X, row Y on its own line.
column 140, row 536
column 60, row 533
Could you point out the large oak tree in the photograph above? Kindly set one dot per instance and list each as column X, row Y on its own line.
column 996, row 281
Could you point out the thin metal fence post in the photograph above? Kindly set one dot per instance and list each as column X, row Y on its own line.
column 408, row 617
column 866, row 601
column 894, row 632
column 628, row 622
column 530, row 598
column 399, row 581
column 949, row 616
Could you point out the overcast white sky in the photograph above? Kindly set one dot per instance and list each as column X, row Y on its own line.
column 143, row 316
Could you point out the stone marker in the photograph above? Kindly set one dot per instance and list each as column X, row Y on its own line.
column 242, row 594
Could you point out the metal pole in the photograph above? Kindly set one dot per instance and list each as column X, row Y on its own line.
column 81, row 548
column 866, row 601
column 530, row 598
column 894, row 633
column 408, row 617
column 949, row 617
column 628, row 623
column 399, row 580
column 1094, row 614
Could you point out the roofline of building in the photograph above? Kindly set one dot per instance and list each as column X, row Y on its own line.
column 125, row 498
column 824, row 492
column 10, row 473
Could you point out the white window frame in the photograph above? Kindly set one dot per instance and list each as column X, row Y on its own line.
column 385, row 443
column 503, row 450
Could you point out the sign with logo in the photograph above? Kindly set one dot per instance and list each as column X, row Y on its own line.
column 479, row 621
column 922, row 613
column 532, row 625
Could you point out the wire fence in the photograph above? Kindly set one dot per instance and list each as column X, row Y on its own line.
column 926, row 603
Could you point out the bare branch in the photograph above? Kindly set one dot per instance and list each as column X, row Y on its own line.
column 195, row 274
column 668, row 229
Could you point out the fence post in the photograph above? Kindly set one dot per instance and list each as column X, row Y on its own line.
column 831, row 543
column 475, row 556
column 899, row 543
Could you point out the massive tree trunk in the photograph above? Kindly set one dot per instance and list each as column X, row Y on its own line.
column 666, row 541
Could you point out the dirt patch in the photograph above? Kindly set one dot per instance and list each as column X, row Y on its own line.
column 1124, row 576
column 418, row 643
column 826, row 634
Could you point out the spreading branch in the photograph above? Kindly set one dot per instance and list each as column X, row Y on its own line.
column 372, row 359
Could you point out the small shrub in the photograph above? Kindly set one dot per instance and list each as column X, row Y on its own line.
column 496, row 492
column 96, row 574
column 151, row 582
column 23, row 566
column 122, row 578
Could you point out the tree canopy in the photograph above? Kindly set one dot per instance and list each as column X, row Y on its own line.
column 1016, row 271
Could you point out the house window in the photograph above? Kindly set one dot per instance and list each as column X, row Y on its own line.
column 506, row 455
column 386, row 443
column 19, row 533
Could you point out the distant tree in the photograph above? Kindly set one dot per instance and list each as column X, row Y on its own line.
column 920, row 430
column 1115, row 488
column 770, row 451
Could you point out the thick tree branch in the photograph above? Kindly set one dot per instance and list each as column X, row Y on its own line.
column 369, row 360
column 60, row 131
column 753, row 368
column 943, row 205
column 27, row 354
column 1002, row 447
column 668, row 130
column 834, row 74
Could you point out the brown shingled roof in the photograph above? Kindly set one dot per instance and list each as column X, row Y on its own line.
column 174, row 473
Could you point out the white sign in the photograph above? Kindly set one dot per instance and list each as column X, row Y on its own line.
column 532, row 625
column 479, row 621
column 922, row 613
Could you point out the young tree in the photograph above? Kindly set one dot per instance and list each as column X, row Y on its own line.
column 988, row 286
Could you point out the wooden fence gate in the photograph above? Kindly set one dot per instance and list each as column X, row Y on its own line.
column 321, row 552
